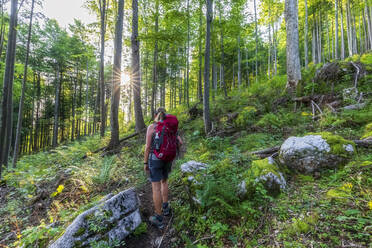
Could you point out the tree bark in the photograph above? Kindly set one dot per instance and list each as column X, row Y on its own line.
column 206, row 112
column 256, row 37
column 155, row 70
column 115, row 99
column 103, row 7
column 7, row 107
column 136, row 74
column 239, row 63
column 200, row 87
column 305, row 36
column 21, row 103
column 222, row 69
column 293, row 54
column 342, row 33
column 73, row 82
column 336, row 29
column 56, row 107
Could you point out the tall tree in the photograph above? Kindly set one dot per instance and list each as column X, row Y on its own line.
column 115, row 98
column 21, row 102
column 305, row 35
column 293, row 53
column 136, row 73
column 207, row 118
column 7, row 106
column 336, row 29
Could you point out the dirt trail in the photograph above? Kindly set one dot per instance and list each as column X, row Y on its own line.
column 153, row 236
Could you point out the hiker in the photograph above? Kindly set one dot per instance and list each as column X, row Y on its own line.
column 162, row 143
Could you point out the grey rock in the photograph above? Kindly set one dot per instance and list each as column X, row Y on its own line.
column 193, row 167
column 115, row 218
column 310, row 153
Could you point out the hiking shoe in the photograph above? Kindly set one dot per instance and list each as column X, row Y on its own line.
column 166, row 209
column 157, row 221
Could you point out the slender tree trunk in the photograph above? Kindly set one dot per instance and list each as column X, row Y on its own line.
column 2, row 28
column 37, row 123
column 206, row 113
column 256, row 36
column 155, row 70
column 269, row 54
column 239, row 63
column 7, row 108
column 188, row 56
column 222, row 69
column 342, row 33
column 349, row 29
column 21, row 103
column 86, row 101
column 293, row 53
column 200, row 87
column 365, row 31
column 305, row 36
column 103, row 8
column 56, row 107
column 136, row 74
column 275, row 51
column 73, row 82
column 247, row 65
column 336, row 29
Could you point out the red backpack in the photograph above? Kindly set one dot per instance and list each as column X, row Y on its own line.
column 165, row 147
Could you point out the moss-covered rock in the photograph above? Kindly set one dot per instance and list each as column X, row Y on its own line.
column 367, row 132
column 315, row 152
column 263, row 171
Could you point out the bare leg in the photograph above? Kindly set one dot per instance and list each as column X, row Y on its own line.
column 164, row 190
column 156, row 195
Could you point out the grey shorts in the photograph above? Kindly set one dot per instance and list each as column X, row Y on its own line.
column 159, row 169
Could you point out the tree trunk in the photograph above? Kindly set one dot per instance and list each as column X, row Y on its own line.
column 56, row 108
column 247, row 65
column 37, row 122
column 305, row 36
column 7, row 107
column 86, row 101
column 103, row 8
column 155, row 70
column 349, row 29
column 21, row 102
column 2, row 28
column 200, row 87
column 239, row 63
column 293, row 54
column 336, row 29
column 206, row 113
column 188, row 55
column 256, row 37
column 342, row 33
column 222, row 69
column 136, row 73
column 73, row 81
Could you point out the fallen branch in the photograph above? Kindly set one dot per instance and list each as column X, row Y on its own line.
column 355, row 106
column 120, row 141
column 270, row 150
column 363, row 143
column 165, row 231
column 205, row 238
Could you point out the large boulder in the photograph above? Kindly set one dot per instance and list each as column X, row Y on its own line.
column 110, row 221
column 315, row 152
column 266, row 172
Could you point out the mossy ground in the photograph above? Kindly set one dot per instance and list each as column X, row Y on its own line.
column 311, row 212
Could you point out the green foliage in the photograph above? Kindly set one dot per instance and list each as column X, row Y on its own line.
column 141, row 229
column 107, row 165
column 280, row 120
column 246, row 117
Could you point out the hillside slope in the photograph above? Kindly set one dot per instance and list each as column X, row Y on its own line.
column 332, row 208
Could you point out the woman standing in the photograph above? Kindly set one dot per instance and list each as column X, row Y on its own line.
column 161, row 138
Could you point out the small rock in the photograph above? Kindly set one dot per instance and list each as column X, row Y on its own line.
column 173, row 240
column 192, row 167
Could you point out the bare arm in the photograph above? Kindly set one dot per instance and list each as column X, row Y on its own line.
column 150, row 131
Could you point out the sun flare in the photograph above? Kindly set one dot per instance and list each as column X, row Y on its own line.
column 125, row 78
